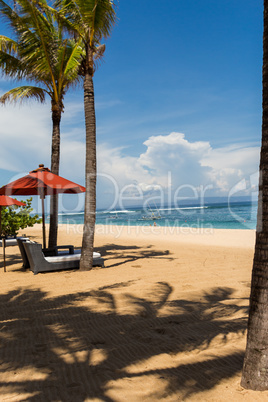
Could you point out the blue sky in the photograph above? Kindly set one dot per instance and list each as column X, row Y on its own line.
column 178, row 106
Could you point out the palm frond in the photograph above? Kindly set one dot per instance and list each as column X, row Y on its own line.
column 11, row 66
column 21, row 93
column 8, row 45
column 38, row 58
column 40, row 52
column 75, row 54
column 91, row 19
column 104, row 19
column 62, row 15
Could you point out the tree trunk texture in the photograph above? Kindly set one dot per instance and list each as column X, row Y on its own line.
column 55, row 163
column 255, row 369
column 91, row 166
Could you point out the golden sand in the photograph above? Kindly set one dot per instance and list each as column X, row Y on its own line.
column 164, row 320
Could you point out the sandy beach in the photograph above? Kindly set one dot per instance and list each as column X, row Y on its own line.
column 165, row 320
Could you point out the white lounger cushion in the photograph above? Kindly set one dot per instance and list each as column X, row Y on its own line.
column 39, row 263
column 69, row 257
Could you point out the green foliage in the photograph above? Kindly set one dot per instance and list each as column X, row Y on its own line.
column 15, row 218
column 38, row 52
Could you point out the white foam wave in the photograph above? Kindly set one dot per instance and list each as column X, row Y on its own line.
column 121, row 211
column 178, row 208
column 71, row 213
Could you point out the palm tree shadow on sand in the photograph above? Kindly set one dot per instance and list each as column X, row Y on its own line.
column 113, row 252
column 61, row 348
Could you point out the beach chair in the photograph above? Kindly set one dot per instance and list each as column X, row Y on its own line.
column 9, row 242
column 39, row 263
column 55, row 251
column 25, row 261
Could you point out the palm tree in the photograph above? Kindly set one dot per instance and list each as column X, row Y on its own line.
column 255, row 369
column 40, row 54
column 91, row 21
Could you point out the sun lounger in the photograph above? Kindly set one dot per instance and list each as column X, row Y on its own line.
column 39, row 263
column 57, row 250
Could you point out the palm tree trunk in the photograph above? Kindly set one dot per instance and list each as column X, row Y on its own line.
column 90, row 196
column 55, row 162
column 255, row 369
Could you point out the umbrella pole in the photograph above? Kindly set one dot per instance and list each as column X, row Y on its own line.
column 3, row 240
column 4, row 252
column 43, row 222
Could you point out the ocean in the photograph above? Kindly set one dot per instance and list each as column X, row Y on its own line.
column 240, row 215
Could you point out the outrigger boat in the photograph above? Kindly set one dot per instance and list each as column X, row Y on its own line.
column 152, row 216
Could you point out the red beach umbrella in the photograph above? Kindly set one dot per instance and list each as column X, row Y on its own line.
column 41, row 182
column 6, row 201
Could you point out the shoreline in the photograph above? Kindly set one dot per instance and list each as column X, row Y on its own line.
column 217, row 237
column 168, row 224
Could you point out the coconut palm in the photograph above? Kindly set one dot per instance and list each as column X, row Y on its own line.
column 255, row 370
column 41, row 55
column 91, row 21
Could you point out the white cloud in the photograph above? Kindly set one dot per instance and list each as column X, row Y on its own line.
column 234, row 156
column 173, row 160
column 72, row 162
column 231, row 164
column 124, row 169
column 173, row 153
column 25, row 134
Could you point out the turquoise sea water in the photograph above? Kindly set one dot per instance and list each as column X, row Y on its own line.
column 218, row 216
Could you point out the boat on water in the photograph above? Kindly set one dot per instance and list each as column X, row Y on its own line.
column 113, row 217
column 152, row 216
